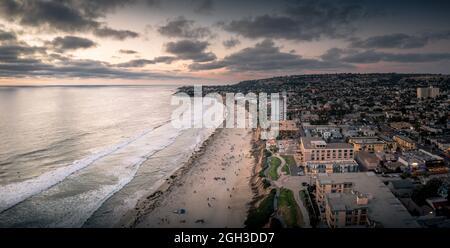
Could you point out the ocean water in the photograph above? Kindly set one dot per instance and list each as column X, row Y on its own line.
column 84, row 156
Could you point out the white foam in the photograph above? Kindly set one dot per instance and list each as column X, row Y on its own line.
column 14, row 193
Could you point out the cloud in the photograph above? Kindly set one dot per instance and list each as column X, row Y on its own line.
column 332, row 54
column 71, row 43
column 144, row 62
column 16, row 52
column 265, row 56
column 305, row 21
column 203, row 6
column 371, row 56
column 7, row 36
column 116, row 34
column 21, row 60
column 230, row 43
column 64, row 15
column 190, row 50
column 125, row 51
column 401, row 41
column 183, row 28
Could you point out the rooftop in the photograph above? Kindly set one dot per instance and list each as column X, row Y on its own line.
column 311, row 143
column 343, row 201
column 383, row 206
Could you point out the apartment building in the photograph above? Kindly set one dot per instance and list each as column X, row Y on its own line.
column 316, row 149
column 346, row 209
column 429, row 92
column 359, row 199
column 405, row 143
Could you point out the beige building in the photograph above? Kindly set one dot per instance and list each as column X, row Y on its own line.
column 346, row 209
column 429, row 92
column 318, row 156
column 359, row 199
column 369, row 144
column 316, row 149
column 405, row 143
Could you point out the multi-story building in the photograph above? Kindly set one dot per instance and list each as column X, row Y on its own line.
column 420, row 161
column 404, row 142
column 429, row 92
column 346, row 209
column 318, row 156
column 316, row 149
column 359, row 199
column 369, row 144
column 338, row 166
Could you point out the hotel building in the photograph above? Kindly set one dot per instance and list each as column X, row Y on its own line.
column 359, row 199
column 318, row 156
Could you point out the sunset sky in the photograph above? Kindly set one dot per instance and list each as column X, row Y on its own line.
column 212, row 41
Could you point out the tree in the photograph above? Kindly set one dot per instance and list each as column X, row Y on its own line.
column 430, row 189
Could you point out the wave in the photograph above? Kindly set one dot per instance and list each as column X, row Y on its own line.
column 14, row 193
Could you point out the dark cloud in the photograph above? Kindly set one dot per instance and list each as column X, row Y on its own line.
column 306, row 20
column 190, row 50
column 71, row 43
column 17, row 52
column 64, row 15
column 372, row 56
column 116, row 34
column 265, row 56
column 401, row 41
column 7, row 36
column 332, row 54
column 144, row 62
column 230, row 43
column 183, row 28
column 203, row 6
column 21, row 60
column 125, row 51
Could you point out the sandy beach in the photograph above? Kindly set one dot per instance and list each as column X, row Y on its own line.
column 215, row 190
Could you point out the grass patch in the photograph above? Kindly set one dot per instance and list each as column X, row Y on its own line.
column 290, row 161
column 259, row 216
column 288, row 208
column 313, row 219
column 274, row 163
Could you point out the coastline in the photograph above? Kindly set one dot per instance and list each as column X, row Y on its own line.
column 216, row 187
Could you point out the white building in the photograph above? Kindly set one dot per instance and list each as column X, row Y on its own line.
column 429, row 92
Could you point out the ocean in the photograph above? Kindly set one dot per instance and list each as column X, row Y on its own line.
column 82, row 156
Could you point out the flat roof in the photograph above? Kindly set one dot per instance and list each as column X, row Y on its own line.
column 343, row 201
column 307, row 143
column 383, row 206
column 405, row 138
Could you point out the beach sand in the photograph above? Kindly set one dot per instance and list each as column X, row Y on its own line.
column 214, row 192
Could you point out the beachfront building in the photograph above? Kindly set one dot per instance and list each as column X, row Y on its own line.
column 316, row 149
column 359, row 199
column 288, row 129
column 346, row 209
column 318, row 156
column 404, row 142
column 338, row 166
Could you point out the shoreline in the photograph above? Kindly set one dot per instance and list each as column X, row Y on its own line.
column 192, row 183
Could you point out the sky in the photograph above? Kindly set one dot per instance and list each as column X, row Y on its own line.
column 216, row 41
